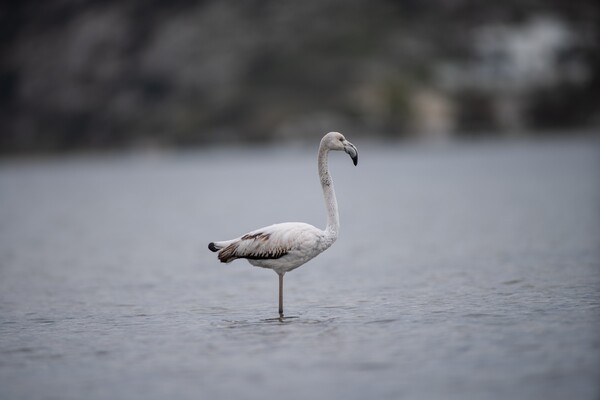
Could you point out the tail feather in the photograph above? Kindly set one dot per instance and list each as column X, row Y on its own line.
column 212, row 247
column 226, row 250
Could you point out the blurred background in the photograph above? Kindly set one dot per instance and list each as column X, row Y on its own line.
column 81, row 74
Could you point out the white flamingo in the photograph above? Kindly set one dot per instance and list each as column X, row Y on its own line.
column 286, row 246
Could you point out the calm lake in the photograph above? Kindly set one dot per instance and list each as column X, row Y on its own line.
column 462, row 271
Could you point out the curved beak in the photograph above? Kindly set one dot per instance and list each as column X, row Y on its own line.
column 352, row 152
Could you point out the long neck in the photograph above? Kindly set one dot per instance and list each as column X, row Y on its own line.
column 333, row 219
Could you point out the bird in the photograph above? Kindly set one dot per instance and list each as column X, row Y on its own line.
column 286, row 246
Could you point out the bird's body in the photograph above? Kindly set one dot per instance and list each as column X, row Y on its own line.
column 280, row 247
column 286, row 246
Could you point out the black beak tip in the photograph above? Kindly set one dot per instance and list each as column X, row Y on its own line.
column 355, row 160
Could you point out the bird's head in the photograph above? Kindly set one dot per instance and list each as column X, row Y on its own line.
column 337, row 141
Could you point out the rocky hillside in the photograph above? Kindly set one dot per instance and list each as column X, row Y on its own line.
column 86, row 74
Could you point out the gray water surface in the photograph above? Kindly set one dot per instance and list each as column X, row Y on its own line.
column 462, row 271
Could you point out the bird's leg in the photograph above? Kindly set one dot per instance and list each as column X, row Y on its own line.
column 280, row 296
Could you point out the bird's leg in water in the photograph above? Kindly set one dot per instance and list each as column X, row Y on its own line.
column 281, row 296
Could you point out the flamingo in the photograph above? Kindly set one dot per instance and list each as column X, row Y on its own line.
column 286, row 246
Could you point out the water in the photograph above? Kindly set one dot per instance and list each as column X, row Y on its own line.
column 464, row 271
